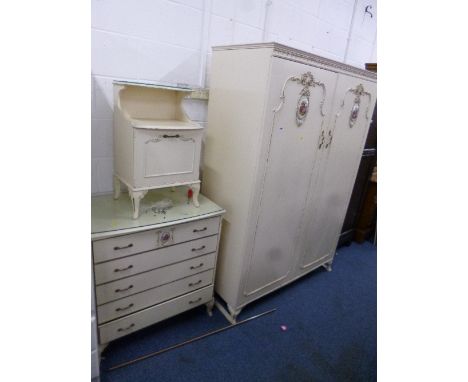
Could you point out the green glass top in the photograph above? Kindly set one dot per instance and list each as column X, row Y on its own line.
column 158, row 85
column 108, row 215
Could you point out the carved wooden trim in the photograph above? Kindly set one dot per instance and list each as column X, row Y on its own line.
column 288, row 52
column 306, row 80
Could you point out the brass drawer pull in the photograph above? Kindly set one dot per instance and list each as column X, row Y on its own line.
column 199, row 249
column 124, row 290
column 124, row 329
column 193, row 284
column 128, row 246
column 194, row 302
column 127, row 307
column 200, row 230
column 196, row 266
column 123, row 269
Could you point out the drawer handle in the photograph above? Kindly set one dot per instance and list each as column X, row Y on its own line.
column 128, row 246
column 123, row 269
column 196, row 266
column 199, row 249
column 195, row 301
column 127, row 307
column 171, row 136
column 124, row 329
column 200, row 230
column 193, row 284
column 124, row 290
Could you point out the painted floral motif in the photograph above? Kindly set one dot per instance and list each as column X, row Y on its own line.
column 306, row 80
column 358, row 92
column 302, row 109
column 354, row 113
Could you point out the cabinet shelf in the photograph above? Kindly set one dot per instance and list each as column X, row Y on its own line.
column 159, row 124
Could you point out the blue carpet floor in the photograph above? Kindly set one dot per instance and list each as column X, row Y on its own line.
column 330, row 336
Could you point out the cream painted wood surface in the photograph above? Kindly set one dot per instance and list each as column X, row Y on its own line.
column 126, row 325
column 122, row 246
column 284, row 178
column 131, row 265
column 138, row 301
column 155, row 143
column 287, row 178
column 153, row 278
column 328, row 203
column 235, row 113
column 166, row 158
column 173, row 255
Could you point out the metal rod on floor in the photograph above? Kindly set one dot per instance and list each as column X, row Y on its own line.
column 118, row 366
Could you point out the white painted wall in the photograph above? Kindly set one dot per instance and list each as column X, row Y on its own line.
column 170, row 41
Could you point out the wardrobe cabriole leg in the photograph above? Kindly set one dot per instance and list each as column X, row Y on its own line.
column 234, row 313
column 328, row 266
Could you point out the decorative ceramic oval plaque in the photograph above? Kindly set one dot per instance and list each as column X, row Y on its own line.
column 354, row 114
column 302, row 109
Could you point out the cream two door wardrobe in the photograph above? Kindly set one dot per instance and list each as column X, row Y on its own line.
column 285, row 134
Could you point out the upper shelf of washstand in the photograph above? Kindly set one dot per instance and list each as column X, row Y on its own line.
column 148, row 84
column 158, row 124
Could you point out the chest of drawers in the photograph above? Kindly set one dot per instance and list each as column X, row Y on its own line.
column 150, row 269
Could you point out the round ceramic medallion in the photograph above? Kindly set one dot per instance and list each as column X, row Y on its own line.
column 164, row 237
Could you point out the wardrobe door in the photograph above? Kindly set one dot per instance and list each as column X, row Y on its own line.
column 353, row 103
column 299, row 94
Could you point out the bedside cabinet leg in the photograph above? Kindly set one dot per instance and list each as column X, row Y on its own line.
column 116, row 187
column 196, row 191
column 209, row 307
column 136, row 196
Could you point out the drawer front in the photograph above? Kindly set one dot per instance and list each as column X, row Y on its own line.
column 143, row 281
column 121, row 246
column 132, row 265
column 136, row 302
column 136, row 321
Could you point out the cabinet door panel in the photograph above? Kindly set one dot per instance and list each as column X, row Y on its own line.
column 291, row 160
column 327, row 206
column 165, row 157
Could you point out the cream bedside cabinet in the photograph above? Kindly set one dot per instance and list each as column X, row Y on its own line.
column 150, row 269
column 155, row 144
